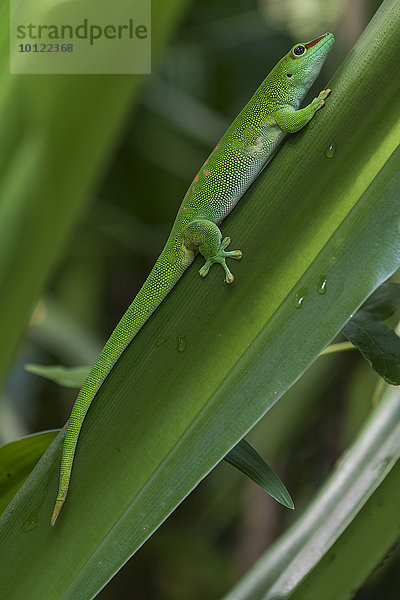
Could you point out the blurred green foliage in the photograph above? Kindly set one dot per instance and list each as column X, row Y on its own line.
column 219, row 54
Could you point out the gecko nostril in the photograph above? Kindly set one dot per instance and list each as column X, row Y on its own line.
column 289, row 74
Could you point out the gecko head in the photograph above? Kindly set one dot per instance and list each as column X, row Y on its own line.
column 300, row 67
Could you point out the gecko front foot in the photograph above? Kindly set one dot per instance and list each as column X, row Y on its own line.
column 320, row 100
column 220, row 257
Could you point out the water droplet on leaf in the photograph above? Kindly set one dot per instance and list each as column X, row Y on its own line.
column 30, row 523
column 181, row 343
column 322, row 285
column 330, row 151
column 299, row 297
column 160, row 341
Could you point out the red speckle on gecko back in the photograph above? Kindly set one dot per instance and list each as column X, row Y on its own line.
column 217, row 147
column 196, row 178
column 207, row 173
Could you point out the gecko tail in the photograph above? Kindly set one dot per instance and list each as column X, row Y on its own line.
column 56, row 511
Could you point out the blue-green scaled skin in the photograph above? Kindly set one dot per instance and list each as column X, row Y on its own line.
column 230, row 169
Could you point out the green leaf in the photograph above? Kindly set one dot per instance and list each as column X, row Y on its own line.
column 384, row 302
column 17, row 460
column 242, row 456
column 250, row 463
column 71, row 377
column 346, row 530
column 165, row 417
column 379, row 344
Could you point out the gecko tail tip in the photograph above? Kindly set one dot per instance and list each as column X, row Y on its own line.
column 56, row 512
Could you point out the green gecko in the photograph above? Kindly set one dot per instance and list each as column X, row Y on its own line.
column 232, row 166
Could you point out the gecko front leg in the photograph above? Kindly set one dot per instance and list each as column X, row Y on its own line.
column 290, row 120
column 205, row 236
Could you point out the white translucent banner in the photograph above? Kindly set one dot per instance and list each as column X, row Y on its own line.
column 80, row 36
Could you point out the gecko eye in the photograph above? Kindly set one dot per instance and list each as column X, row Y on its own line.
column 289, row 74
column 299, row 50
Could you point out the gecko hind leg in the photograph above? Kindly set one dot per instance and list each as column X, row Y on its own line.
column 205, row 236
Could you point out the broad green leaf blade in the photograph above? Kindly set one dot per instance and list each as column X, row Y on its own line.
column 242, row 456
column 17, row 460
column 72, row 377
column 379, row 344
column 164, row 418
column 250, row 463
column 346, row 530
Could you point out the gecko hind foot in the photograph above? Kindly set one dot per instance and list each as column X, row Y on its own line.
column 220, row 257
